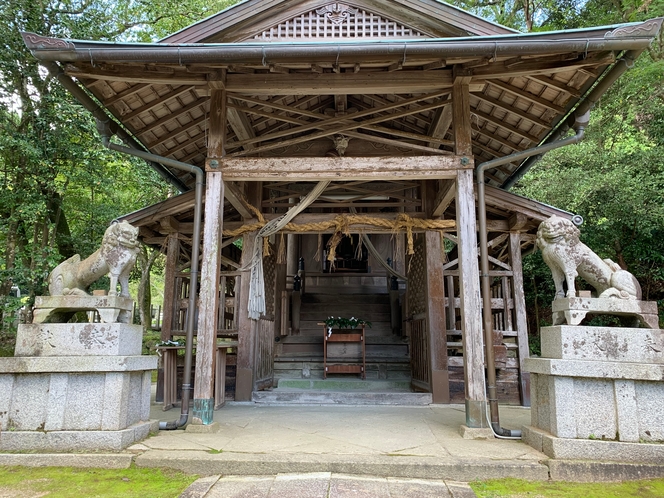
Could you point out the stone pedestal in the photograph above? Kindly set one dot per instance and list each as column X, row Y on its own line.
column 75, row 387
column 598, row 393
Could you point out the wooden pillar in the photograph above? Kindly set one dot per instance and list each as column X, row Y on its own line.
column 172, row 258
column 292, row 255
column 244, row 377
column 435, row 317
column 520, row 314
column 471, row 305
column 469, row 282
column 208, row 301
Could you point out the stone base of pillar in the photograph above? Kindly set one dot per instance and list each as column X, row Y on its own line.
column 598, row 394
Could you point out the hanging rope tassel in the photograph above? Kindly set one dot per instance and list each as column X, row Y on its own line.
column 281, row 253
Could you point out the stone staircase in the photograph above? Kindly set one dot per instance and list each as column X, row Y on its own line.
column 298, row 365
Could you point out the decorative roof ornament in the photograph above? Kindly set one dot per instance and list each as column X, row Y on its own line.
column 336, row 12
column 647, row 29
column 340, row 143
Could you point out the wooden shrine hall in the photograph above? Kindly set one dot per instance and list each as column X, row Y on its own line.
column 388, row 134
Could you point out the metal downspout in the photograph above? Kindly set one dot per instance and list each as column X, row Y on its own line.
column 86, row 101
column 586, row 105
column 105, row 131
column 580, row 124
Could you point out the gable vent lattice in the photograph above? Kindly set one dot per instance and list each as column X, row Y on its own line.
column 337, row 20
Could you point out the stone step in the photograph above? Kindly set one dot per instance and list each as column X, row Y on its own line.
column 315, row 397
column 350, row 298
column 344, row 384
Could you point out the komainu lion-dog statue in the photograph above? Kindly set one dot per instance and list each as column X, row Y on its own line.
column 568, row 257
column 116, row 256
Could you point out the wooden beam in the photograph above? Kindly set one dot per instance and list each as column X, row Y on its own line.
column 342, row 83
column 169, row 224
column 517, row 222
column 440, row 124
column 141, row 130
column 138, row 75
column 180, row 130
column 217, row 124
column 158, row 102
column 237, row 199
column 349, row 121
column 558, row 85
column 124, row 93
column 469, row 290
column 501, row 123
column 342, row 168
column 240, row 124
column 344, row 128
column 444, row 197
column 396, row 143
column 318, row 116
column 461, row 117
column 527, row 95
column 512, row 110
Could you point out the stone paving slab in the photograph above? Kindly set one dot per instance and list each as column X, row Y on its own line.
column 79, row 460
column 458, row 469
column 324, row 485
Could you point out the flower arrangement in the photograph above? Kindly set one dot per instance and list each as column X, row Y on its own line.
column 343, row 323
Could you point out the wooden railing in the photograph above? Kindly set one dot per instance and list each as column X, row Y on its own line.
column 419, row 353
column 264, row 350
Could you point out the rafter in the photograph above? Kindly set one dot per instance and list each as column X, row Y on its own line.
column 527, row 95
column 124, row 94
column 344, row 123
column 501, row 123
column 513, row 110
column 157, row 102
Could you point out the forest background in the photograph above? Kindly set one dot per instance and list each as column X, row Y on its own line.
column 61, row 188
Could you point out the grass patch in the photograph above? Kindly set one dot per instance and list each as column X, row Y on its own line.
column 517, row 488
column 65, row 482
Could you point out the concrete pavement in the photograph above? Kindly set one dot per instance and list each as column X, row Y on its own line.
column 334, row 451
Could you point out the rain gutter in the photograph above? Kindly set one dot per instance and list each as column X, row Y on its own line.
column 52, row 49
column 579, row 124
column 106, row 133
column 623, row 64
column 97, row 111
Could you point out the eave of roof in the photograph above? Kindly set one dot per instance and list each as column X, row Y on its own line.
column 632, row 36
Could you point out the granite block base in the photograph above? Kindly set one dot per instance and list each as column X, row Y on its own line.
column 65, row 403
column 593, row 450
column 63, row 441
column 78, row 339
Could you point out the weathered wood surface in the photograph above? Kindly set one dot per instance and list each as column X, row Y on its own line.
column 435, row 317
column 342, row 168
column 172, row 257
column 521, row 323
column 444, row 197
column 471, row 319
column 246, row 331
column 208, row 301
column 461, row 116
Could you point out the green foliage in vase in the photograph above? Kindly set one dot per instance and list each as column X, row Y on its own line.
column 345, row 323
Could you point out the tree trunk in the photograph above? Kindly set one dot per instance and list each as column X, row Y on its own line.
column 146, row 259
